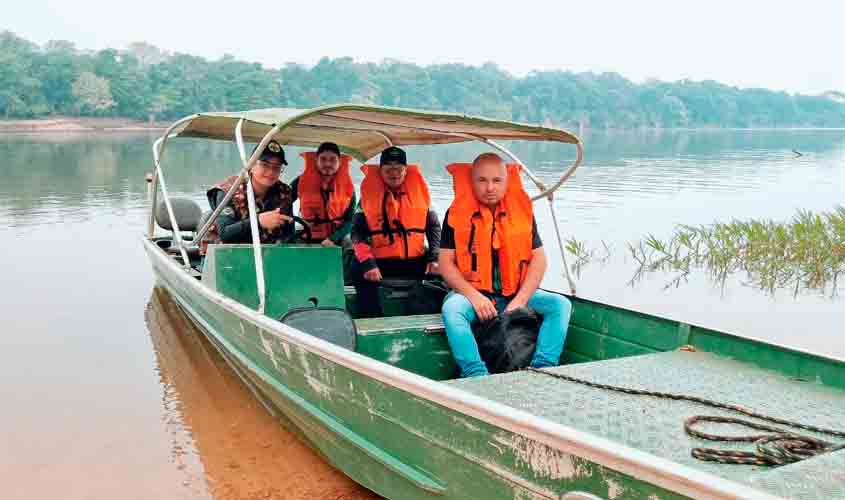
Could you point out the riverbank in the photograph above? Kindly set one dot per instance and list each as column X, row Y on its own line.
column 55, row 124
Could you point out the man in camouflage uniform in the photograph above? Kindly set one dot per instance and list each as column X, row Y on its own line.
column 273, row 203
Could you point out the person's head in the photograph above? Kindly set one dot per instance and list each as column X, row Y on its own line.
column 269, row 166
column 327, row 159
column 393, row 166
column 489, row 179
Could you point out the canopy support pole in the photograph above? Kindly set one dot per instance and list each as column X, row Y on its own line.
column 158, row 178
column 158, row 147
column 560, row 245
column 253, row 218
column 151, row 224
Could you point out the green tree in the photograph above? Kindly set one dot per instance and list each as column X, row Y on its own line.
column 92, row 93
column 20, row 90
column 144, row 81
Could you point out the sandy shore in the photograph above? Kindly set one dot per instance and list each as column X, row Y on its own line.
column 77, row 124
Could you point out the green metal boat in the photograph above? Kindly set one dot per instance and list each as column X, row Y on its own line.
column 386, row 407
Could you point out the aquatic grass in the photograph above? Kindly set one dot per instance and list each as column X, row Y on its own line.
column 806, row 252
column 583, row 255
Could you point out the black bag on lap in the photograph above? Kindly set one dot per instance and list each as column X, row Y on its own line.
column 507, row 342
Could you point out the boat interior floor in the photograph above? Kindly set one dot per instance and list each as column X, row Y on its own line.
column 656, row 426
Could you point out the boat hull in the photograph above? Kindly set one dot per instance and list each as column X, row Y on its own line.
column 407, row 437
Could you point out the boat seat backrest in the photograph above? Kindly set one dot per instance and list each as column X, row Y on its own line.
column 187, row 213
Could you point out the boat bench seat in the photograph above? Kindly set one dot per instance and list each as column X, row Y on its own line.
column 415, row 343
column 655, row 426
column 394, row 302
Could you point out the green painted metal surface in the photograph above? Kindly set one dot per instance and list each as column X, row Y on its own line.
column 414, row 343
column 825, row 474
column 600, row 331
column 656, row 425
column 295, row 276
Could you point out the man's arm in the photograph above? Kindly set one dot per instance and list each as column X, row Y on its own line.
column 234, row 230
column 363, row 251
column 536, row 271
column 230, row 228
column 432, row 234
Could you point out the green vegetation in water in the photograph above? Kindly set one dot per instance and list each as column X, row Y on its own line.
column 583, row 255
column 145, row 82
column 807, row 252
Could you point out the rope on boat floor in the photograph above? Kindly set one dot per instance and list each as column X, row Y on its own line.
column 779, row 447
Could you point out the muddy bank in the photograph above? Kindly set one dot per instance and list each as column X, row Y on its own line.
column 77, row 124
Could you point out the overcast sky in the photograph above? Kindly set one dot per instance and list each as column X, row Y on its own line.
column 793, row 46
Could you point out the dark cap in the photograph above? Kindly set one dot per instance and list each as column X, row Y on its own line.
column 273, row 150
column 392, row 154
column 328, row 146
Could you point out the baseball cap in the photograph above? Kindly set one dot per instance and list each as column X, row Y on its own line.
column 273, row 150
column 393, row 154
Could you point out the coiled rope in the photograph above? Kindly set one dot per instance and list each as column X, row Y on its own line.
column 778, row 447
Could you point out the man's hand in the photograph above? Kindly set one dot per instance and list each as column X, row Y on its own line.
column 328, row 243
column 432, row 268
column 484, row 308
column 516, row 303
column 272, row 219
column 373, row 275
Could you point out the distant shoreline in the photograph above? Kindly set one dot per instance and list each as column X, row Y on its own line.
column 84, row 124
column 76, row 124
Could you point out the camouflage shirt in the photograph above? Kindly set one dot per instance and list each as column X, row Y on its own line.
column 232, row 226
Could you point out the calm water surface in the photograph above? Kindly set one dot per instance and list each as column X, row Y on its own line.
column 108, row 392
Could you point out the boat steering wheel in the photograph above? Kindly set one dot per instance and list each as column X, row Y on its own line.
column 303, row 234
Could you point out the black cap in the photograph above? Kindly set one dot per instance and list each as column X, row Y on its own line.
column 392, row 154
column 328, row 146
column 273, row 150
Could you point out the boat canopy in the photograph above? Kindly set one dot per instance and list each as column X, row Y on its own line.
column 362, row 131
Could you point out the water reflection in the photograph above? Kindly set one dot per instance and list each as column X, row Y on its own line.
column 221, row 435
column 72, row 208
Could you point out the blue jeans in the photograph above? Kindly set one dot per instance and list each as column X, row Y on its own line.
column 458, row 315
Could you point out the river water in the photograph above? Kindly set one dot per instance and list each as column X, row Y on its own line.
column 108, row 392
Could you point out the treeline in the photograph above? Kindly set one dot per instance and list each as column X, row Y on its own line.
column 144, row 82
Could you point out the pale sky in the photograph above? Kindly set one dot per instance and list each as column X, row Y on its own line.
column 793, row 46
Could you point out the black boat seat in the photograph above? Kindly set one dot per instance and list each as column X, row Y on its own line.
column 187, row 213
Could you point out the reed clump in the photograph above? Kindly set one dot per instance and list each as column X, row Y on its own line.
column 805, row 252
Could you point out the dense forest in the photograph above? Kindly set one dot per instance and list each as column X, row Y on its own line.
column 145, row 82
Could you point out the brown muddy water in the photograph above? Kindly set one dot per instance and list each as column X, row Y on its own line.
column 109, row 392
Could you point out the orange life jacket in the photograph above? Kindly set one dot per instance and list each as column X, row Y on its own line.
column 324, row 216
column 478, row 231
column 397, row 224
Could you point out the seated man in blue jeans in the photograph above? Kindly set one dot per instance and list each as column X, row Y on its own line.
column 492, row 257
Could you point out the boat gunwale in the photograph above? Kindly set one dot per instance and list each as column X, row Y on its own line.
column 668, row 317
column 641, row 465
